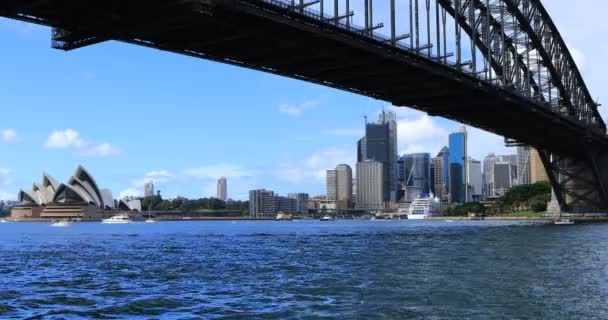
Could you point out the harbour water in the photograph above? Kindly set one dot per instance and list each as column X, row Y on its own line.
column 304, row 270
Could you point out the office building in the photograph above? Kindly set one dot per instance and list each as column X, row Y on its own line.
column 380, row 145
column 458, row 166
column 390, row 119
column 418, row 171
column 475, row 180
column 523, row 165
column 222, row 189
column 503, row 178
column 301, row 202
column 370, row 193
column 149, row 189
column 286, row 204
column 344, row 186
column 439, row 184
column 445, row 155
column 331, row 184
column 262, row 203
column 537, row 169
column 488, row 174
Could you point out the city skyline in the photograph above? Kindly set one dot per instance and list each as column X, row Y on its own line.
column 308, row 140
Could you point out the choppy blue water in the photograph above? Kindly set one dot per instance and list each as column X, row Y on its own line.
column 304, row 270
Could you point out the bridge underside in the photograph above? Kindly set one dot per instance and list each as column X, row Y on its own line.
column 259, row 36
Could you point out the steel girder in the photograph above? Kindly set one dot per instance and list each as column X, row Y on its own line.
column 526, row 53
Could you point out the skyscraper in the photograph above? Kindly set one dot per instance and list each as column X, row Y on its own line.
column 418, row 171
column 475, row 180
column 344, row 186
column 149, row 189
column 370, row 185
column 458, row 166
column 537, row 169
column 380, row 145
column 222, row 189
column 445, row 155
column 390, row 118
column 503, row 178
column 488, row 174
column 331, row 184
column 523, row 165
column 439, row 179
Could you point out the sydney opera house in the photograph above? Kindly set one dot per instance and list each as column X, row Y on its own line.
column 79, row 198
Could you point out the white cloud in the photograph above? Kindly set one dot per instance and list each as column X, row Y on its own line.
column 295, row 110
column 157, row 176
column 8, row 135
column 313, row 167
column 4, row 176
column 420, row 135
column 219, row 170
column 130, row 192
column 71, row 139
column 101, row 150
column 67, row 138
column 7, row 196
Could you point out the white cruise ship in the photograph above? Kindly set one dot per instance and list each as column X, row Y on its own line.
column 423, row 208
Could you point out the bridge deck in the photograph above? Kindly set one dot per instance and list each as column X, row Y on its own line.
column 262, row 37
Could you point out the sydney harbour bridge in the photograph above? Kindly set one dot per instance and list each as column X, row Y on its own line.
column 499, row 65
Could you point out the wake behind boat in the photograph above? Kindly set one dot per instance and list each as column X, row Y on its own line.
column 61, row 224
column 117, row 219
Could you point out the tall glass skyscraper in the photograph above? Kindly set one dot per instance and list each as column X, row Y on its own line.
column 458, row 166
column 445, row 155
column 418, row 171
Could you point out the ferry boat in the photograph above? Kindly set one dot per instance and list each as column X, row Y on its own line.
column 117, row 219
column 281, row 216
column 423, row 208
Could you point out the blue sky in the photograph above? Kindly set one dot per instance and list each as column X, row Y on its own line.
column 130, row 114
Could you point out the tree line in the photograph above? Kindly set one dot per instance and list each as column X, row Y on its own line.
column 181, row 204
column 530, row 197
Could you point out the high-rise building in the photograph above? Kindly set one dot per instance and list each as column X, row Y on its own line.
column 503, row 178
column 149, row 189
column 370, row 185
column 458, row 166
column 362, row 149
column 286, row 204
column 390, row 118
column 262, row 203
column 331, row 184
column 301, row 202
column 222, row 189
column 380, row 145
column 445, row 155
column 344, row 186
column 523, row 165
column 475, row 180
column 537, row 169
column 440, row 189
column 488, row 174
column 418, row 171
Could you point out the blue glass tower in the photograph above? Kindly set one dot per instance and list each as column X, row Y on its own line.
column 458, row 166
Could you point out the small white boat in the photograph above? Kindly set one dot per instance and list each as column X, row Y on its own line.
column 61, row 224
column 3, row 221
column 117, row 219
column 327, row 218
column 449, row 221
column 150, row 221
column 563, row 222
